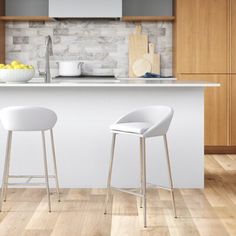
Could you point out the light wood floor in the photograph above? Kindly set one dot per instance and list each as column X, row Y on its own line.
column 208, row 212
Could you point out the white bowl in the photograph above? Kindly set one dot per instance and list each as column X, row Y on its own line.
column 16, row 75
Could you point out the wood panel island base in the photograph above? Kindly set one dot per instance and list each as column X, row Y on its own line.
column 85, row 112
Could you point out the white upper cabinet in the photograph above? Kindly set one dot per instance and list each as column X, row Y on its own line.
column 85, row 8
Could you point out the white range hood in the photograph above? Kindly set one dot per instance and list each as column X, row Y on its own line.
column 85, row 8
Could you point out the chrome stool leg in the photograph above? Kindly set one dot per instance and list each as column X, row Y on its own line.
column 170, row 175
column 141, row 174
column 5, row 167
column 46, row 171
column 8, row 167
column 110, row 171
column 55, row 164
column 143, row 151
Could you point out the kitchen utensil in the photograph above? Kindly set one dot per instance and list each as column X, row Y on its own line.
column 141, row 66
column 138, row 46
column 153, row 58
column 70, row 68
column 16, row 75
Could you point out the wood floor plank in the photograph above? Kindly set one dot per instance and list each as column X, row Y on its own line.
column 42, row 219
column 207, row 212
column 203, row 215
column 230, row 191
column 226, row 162
column 184, row 224
column 125, row 225
column 230, row 226
column 83, row 218
column 17, row 218
column 36, row 233
column 124, row 204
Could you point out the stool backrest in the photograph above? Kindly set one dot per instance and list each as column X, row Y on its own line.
column 159, row 116
column 27, row 118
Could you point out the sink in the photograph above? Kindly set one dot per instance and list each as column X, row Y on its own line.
column 85, row 81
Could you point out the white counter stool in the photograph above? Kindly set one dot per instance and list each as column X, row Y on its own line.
column 24, row 118
column 146, row 122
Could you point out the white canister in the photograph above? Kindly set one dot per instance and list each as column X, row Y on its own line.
column 70, row 68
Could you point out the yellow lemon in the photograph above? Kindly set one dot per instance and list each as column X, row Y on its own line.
column 22, row 66
column 15, row 62
column 16, row 67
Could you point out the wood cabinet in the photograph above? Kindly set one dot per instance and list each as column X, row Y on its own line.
column 202, row 36
column 233, row 36
column 233, row 73
column 216, row 106
column 204, row 41
column 233, row 110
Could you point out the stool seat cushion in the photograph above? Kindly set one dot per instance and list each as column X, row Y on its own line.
column 131, row 127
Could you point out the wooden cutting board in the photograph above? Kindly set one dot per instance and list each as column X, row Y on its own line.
column 153, row 58
column 141, row 66
column 138, row 46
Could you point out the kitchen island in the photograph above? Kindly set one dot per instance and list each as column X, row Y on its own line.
column 86, row 110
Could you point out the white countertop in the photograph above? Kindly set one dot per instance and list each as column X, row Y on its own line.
column 120, row 83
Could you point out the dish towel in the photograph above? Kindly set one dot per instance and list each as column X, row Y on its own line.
column 153, row 75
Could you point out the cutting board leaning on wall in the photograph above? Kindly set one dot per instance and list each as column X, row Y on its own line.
column 138, row 46
column 153, row 58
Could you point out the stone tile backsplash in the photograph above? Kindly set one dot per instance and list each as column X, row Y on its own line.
column 101, row 44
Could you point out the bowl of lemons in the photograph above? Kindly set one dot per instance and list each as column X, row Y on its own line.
column 16, row 72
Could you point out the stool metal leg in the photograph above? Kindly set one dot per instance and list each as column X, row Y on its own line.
column 170, row 175
column 110, row 171
column 55, row 163
column 8, row 167
column 46, row 170
column 143, row 151
column 5, row 167
column 141, row 175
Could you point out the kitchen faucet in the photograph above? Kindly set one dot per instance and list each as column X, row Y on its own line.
column 48, row 53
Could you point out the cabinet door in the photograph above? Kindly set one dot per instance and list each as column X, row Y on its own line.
column 85, row 8
column 216, row 117
column 233, row 36
column 150, row 8
column 233, row 110
column 202, row 36
column 26, row 7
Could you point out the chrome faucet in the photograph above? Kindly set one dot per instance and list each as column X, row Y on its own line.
column 48, row 53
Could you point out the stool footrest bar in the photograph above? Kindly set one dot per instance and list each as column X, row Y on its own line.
column 128, row 191
column 158, row 186
column 30, row 176
column 26, row 184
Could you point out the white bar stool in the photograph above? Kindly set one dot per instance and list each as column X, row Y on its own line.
column 24, row 118
column 144, row 123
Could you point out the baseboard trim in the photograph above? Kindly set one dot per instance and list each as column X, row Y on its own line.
column 220, row 150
